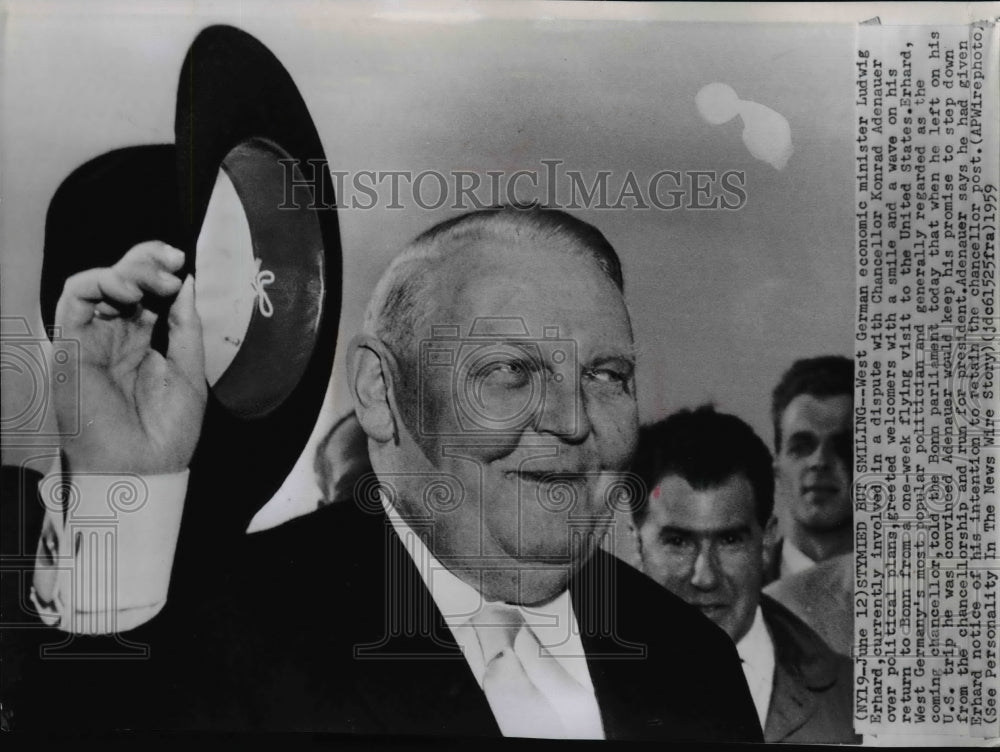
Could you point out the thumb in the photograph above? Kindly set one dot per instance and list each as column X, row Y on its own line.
column 185, row 348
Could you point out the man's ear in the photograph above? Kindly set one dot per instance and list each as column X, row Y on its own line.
column 371, row 375
column 633, row 535
column 779, row 480
column 771, row 535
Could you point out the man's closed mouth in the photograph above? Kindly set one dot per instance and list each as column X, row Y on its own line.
column 547, row 476
column 824, row 489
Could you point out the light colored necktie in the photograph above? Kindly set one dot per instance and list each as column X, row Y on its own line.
column 519, row 707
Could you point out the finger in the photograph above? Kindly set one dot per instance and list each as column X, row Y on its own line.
column 105, row 310
column 156, row 253
column 147, row 266
column 151, row 266
column 185, row 348
column 83, row 291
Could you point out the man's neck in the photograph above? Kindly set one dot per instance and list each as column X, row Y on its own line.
column 530, row 587
column 824, row 544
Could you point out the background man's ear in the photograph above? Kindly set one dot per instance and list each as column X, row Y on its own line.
column 771, row 537
column 635, row 544
column 371, row 373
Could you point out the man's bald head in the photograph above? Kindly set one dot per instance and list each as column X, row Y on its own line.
column 405, row 296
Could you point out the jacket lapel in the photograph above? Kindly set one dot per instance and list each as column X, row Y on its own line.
column 625, row 706
column 409, row 671
column 792, row 705
column 800, row 672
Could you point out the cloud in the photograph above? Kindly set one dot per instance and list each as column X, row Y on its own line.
column 766, row 133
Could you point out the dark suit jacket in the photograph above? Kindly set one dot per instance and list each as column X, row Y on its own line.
column 812, row 697
column 324, row 624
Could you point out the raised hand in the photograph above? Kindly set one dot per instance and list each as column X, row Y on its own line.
column 139, row 411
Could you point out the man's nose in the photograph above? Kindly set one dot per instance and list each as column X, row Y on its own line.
column 823, row 455
column 562, row 411
column 704, row 574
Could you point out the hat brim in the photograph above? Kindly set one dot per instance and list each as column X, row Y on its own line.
column 239, row 110
column 104, row 207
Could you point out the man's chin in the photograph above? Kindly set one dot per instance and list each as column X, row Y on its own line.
column 822, row 498
column 825, row 520
column 728, row 620
column 540, row 585
column 823, row 511
column 718, row 615
column 529, row 582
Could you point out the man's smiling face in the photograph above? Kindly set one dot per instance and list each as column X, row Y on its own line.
column 533, row 428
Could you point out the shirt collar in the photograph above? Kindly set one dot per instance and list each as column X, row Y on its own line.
column 756, row 650
column 756, row 645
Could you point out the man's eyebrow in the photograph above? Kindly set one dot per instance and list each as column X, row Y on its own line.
column 527, row 346
column 668, row 530
column 802, row 433
column 735, row 530
column 618, row 350
column 623, row 357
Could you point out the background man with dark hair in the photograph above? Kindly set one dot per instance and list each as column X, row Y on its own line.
column 700, row 533
column 812, row 570
column 812, row 409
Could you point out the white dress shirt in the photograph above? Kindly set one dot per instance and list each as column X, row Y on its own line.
column 756, row 649
column 552, row 634
column 793, row 560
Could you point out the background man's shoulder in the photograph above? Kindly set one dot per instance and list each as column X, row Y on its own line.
column 808, row 666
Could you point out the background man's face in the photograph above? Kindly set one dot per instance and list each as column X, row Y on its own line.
column 534, row 428
column 706, row 546
column 814, row 473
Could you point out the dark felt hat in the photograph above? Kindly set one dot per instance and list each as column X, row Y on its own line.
column 238, row 110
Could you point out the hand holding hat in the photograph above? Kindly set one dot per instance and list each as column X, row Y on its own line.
column 144, row 386
column 145, row 405
column 142, row 411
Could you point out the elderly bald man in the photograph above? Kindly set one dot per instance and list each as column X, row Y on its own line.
column 465, row 594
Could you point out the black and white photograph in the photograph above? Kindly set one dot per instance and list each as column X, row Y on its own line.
column 462, row 370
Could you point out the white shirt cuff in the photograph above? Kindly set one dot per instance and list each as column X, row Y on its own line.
column 107, row 548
